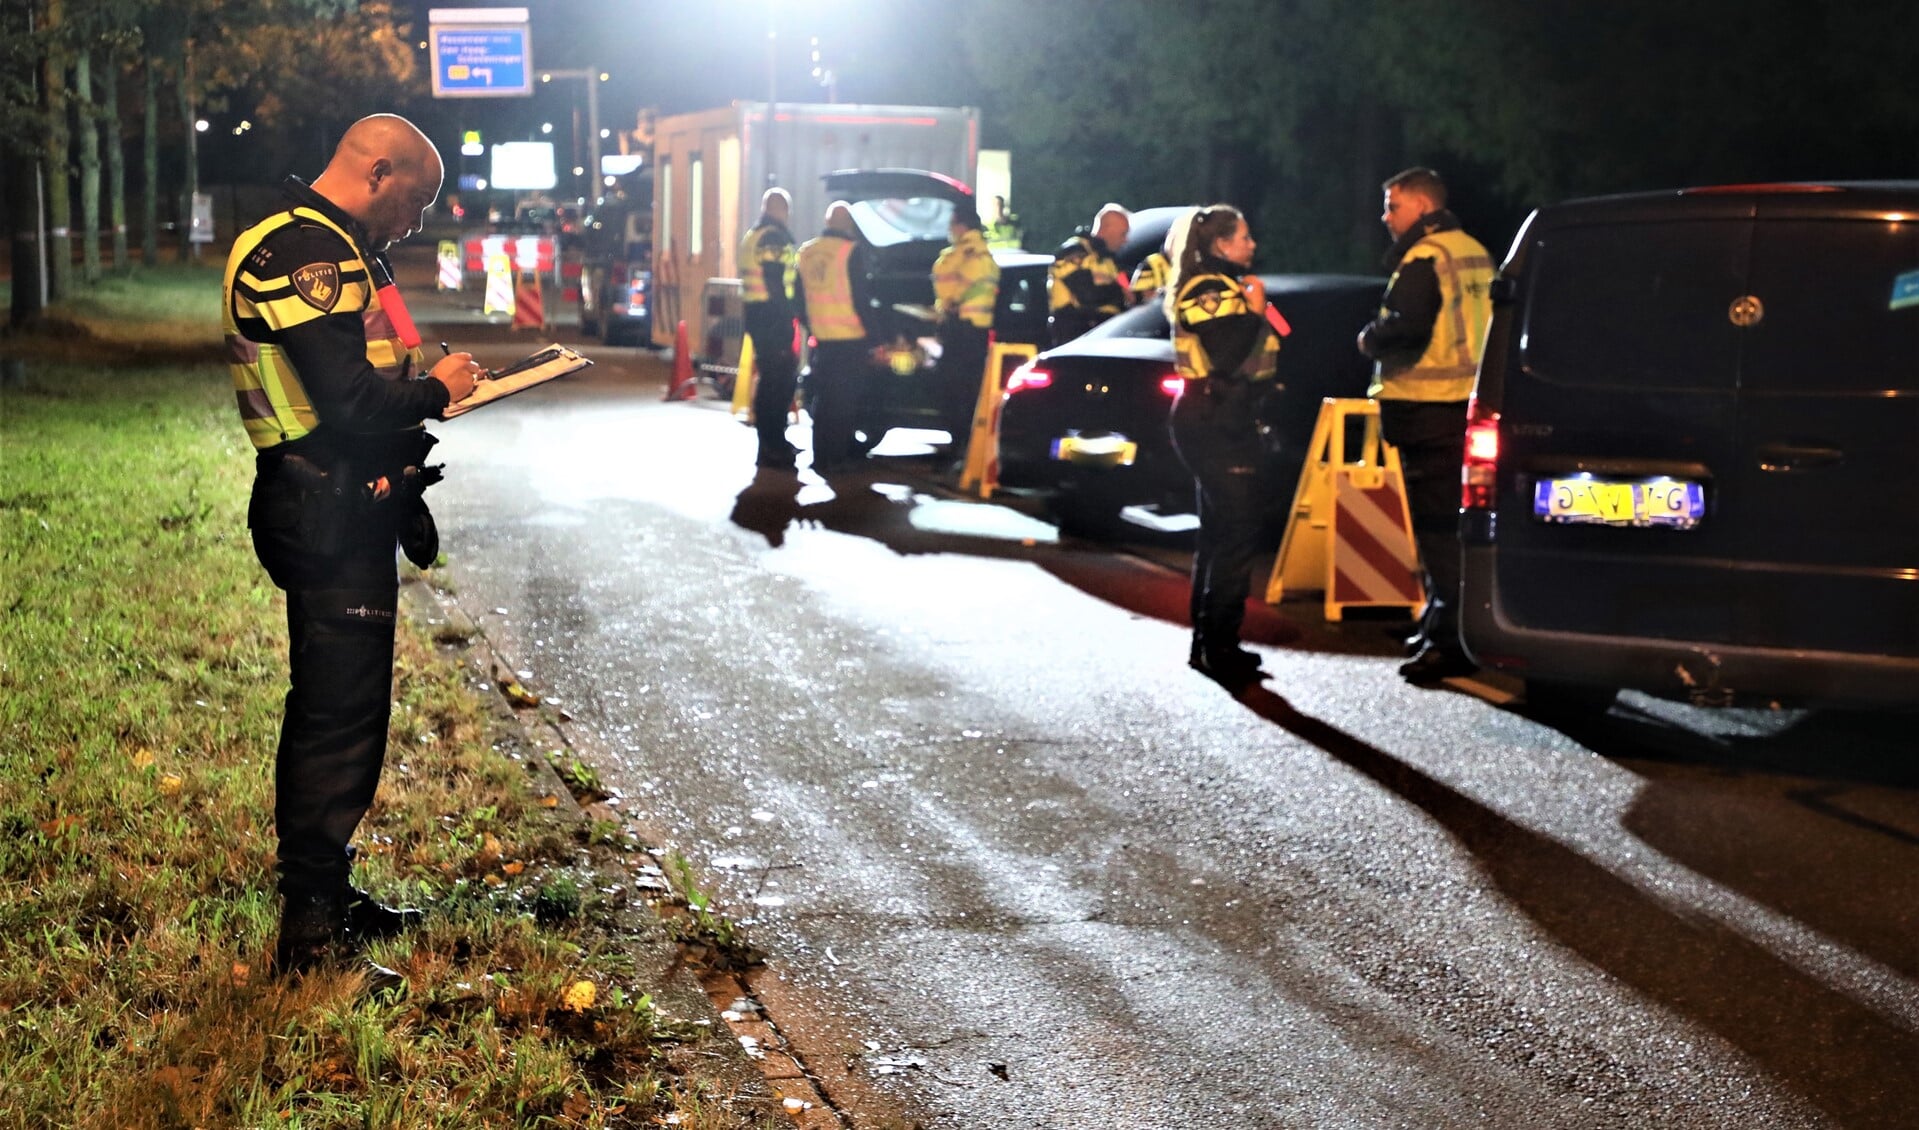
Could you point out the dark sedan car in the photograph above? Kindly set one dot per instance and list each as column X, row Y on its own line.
column 1085, row 423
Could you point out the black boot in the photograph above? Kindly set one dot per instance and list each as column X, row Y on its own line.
column 313, row 933
column 367, row 918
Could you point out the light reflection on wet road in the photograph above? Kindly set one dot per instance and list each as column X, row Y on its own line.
column 1002, row 844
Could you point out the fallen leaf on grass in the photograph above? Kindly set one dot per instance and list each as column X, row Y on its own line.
column 549, row 802
column 142, row 758
column 59, row 824
column 170, row 784
column 513, row 868
column 579, row 996
column 517, row 694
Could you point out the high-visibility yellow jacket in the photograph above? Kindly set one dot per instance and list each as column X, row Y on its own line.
column 768, row 244
column 1004, row 234
column 1211, row 314
column 826, row 281
column 1084, row 276
column 966, row 280
column 1445, row 370
column 1151, row 276
column 267, row 294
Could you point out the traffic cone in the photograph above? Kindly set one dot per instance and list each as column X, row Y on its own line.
column 683, row 386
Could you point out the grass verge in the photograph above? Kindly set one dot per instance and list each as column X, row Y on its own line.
column 142, row 663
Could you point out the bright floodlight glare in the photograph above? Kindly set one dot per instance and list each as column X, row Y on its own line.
column 579, row 170
column 606, row 133
column 480, row 184
column 604, row 76
column 200, row 126
column 546, row 127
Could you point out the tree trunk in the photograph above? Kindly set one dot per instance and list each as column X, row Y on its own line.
column 150, row 157
column 59, row 193
column 22, row 188
column 116, row 156
column 87, row 118
column 191, row 186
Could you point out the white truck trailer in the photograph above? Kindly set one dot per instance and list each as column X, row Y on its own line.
column 711, row 167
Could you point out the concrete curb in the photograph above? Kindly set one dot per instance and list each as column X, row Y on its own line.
column 763, row 1060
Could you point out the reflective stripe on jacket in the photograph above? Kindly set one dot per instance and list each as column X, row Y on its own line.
column 1207, row 299
column 1445, row 371
column 274, row 405
column 966, row 280
column 830, row 313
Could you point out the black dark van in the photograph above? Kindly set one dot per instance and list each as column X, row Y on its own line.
column 1693, row 456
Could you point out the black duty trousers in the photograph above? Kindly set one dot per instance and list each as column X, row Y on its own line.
column 1217, row 437
column 838, row 378
column 1431, row 438
column 340, row 623
column 962, row 365
column 772, row 337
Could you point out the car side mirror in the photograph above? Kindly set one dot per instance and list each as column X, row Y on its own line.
column 1503, row 290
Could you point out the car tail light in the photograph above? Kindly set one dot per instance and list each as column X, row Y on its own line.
column 1172, row 385
column 1480, row 471
column 1027, row 377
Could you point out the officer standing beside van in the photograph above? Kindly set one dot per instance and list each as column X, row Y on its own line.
column 1425, row 345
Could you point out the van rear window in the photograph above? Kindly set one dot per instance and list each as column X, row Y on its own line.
column 1837, row 313
column 1638, row 305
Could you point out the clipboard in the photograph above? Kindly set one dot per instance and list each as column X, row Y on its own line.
column 534, row 369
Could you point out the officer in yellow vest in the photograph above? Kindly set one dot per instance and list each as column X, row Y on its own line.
column 834, row 295
column 327, row 372
column 1004, row 233
column 1228, row 354
column 1426, row 345
column 767, row 264
column 1086, row 286
column 965, row 290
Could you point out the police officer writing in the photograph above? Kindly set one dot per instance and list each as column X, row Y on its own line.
column 767, row 261
column 1086, row 287
column 1425, row 344
column 833, row 294
column 1227, row 353
column 325, row 363
column 965, row 288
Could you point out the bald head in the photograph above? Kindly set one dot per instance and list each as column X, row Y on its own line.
column 1110, row 224
column 385, row 174
column 839, row 217
column 777, row 204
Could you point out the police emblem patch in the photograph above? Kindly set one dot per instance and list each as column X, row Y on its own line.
column 318, row 284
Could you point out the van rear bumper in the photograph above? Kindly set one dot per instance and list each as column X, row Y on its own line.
column 1703, row 671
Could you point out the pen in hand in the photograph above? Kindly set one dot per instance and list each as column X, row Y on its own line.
column 445, row 350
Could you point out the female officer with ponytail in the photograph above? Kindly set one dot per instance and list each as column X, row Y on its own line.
column 1225, row 350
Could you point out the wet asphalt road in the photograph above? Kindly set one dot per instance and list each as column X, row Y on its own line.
column 1020, row 868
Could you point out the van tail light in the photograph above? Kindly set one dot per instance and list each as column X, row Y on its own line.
column 1480, row 471
column 1026, row 377
column 1172, row 385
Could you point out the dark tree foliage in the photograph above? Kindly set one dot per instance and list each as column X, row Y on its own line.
column 1297, row 109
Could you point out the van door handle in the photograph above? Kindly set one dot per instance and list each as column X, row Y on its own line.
column 1782, row 457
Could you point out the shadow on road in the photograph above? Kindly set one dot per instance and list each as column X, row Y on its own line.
column 1851, row 1062
column 771, row 505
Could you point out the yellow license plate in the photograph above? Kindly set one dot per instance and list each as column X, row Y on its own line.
column 1582, row 499
column 1097, row 451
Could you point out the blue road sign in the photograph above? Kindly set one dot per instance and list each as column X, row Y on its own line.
column 481, row 62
